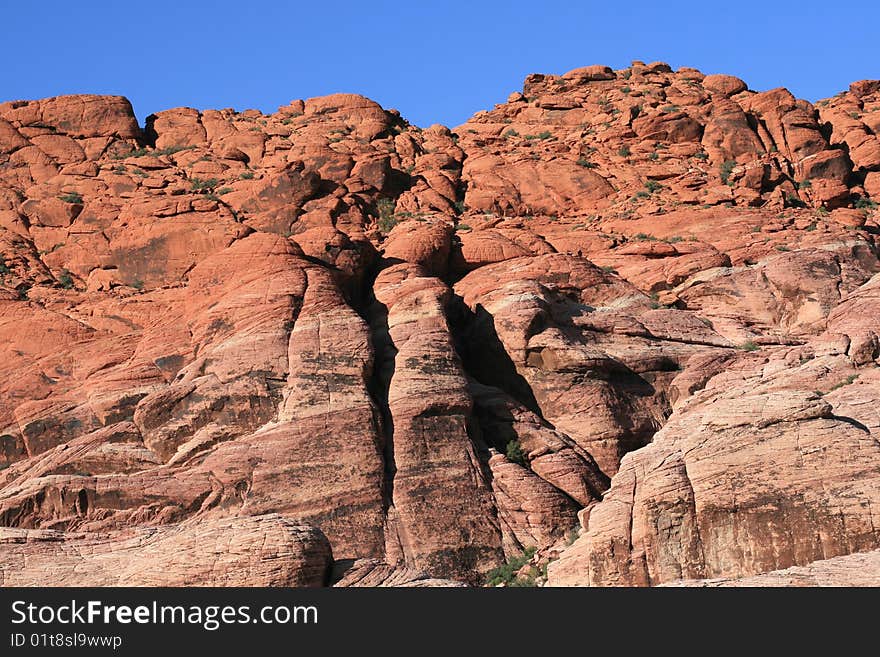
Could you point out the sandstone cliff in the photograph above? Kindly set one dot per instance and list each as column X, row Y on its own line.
column 627, row 321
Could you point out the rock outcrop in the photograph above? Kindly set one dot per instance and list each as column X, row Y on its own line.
column 624, row 321
column 249, row 551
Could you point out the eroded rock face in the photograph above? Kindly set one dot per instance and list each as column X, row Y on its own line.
column 774, row 463
column 250, row 551
column 642, row 302
column 860, row 569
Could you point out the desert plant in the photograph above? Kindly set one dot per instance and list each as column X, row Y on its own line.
column 749, row 345
column 847, row 381
column 515, row 452
column 507, row 573
column 792, row 201
column 71, row 197
column 65, row 279
column 199, row 185
column 624, row 151
column 387, row 220
column 725, row 170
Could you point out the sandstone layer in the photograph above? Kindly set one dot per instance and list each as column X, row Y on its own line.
column 626, row 320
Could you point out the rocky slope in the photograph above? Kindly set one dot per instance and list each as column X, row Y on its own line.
column 625, row 321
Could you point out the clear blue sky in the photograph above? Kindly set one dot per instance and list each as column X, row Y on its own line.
column 437, row 62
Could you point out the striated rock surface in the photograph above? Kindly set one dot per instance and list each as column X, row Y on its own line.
column 641, row 302
column 250, row 551
column 860, row 569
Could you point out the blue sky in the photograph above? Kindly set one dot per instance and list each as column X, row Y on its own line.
column 437, row 62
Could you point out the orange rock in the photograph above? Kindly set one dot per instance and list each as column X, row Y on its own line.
column 848, row 217
column 76, row 116
column 607, row 300
column 724, row 85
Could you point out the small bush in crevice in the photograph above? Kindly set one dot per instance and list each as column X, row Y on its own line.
column 387, row 219
column 65, row 279
column 507, row 573
column 199, row 185
column 725, row 170
column 71, row 197
column 847, row 381
column 515, row 452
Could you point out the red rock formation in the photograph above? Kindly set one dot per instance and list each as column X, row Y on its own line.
column 640, row 300
column 251, row 551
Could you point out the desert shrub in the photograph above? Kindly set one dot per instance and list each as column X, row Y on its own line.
column 387, row 219
column 199, row 185
column 71, row 197
column 65, row 279
column 725, row 170
column 515, row 452
column 507, row 573
column 847, row 381
column 792, row 201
